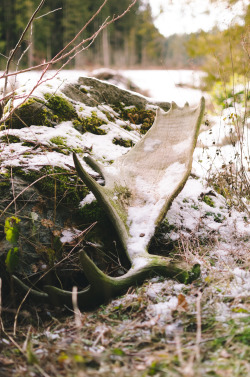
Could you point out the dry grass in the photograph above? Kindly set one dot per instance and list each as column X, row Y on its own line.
column 206, row 334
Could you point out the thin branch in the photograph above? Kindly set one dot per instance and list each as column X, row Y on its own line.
column 70, row 54
column 53, row 60
column 20, row 41
column 198, row 331
column 46, row 14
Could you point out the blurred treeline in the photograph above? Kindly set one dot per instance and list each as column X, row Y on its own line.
column 130, row 42
column 133, row 41
column 224, row 54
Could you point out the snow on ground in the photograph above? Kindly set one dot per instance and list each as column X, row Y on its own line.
column 191, row 215
column 164, row 85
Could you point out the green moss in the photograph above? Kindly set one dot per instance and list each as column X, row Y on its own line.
column 90, row 124
column 32, row 112
column 208, row 201
column 58, row 184
column 218, row 218
column 92, row 212
column 127, row 143
column 42, row 117
column 59, row 140
column 61, row 107
column 4, row 184
column 28, row 144
column 142, row 117
column 110, row 117
column 10, row 139
column 84, row 90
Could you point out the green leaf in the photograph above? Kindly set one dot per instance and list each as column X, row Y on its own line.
column 194, row 273
column 11, row 229
column 118, row 352
column 31, row 357
column 12, row 260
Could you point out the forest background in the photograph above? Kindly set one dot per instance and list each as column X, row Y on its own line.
column 132, row 42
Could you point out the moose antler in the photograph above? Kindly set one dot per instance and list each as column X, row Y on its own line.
column 139, row 189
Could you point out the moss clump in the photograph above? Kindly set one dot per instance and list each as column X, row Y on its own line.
column 4, row 184
column 218, row 218
column 32, row 112
column 9, row 139
column 29, row 144
column 142, row 117
column 59, row 140
column 90, row 124
column 58, row 184
column 93, row 212
column 109, row 116
column 127, row 143
column 208, row 201
column 83, row 90
column 61, row 107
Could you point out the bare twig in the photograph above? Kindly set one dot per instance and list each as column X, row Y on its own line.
column 58, row 57
column 198, row 331
column 46, row 14
column 1, row 305
column 20, row 41
column 63, row 54
column 77, row 312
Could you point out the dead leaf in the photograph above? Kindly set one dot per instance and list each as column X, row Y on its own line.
column 5, row 361
column 182, row 302
column 47, row 223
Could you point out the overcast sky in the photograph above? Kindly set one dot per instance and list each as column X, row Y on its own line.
column 200, row 14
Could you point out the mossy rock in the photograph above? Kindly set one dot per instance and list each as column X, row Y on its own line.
column 100, row 92
column 32, row 112
column 60, row 106
column 9, row 139
column 4, row 185
column 58, row 184
column 144, row 118
column 127, row 143
column 40, row 226
column 90, row 124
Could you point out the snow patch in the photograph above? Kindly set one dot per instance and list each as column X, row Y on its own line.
column 69, row 234
column 151, row 144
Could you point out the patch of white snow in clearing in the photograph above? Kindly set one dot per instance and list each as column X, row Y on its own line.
column 189, row 212
column 240, row 286
column 164, row 309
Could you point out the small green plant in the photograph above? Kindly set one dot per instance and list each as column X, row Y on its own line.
column 59, row 140
column 11, row 229
column 9, row 139
column 127, row 143
column 12, row 234
column 90, row 124
column 208, row 201
column 63, row 108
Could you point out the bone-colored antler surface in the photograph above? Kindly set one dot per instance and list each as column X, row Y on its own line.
column 140, row 185
column 139, row 189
